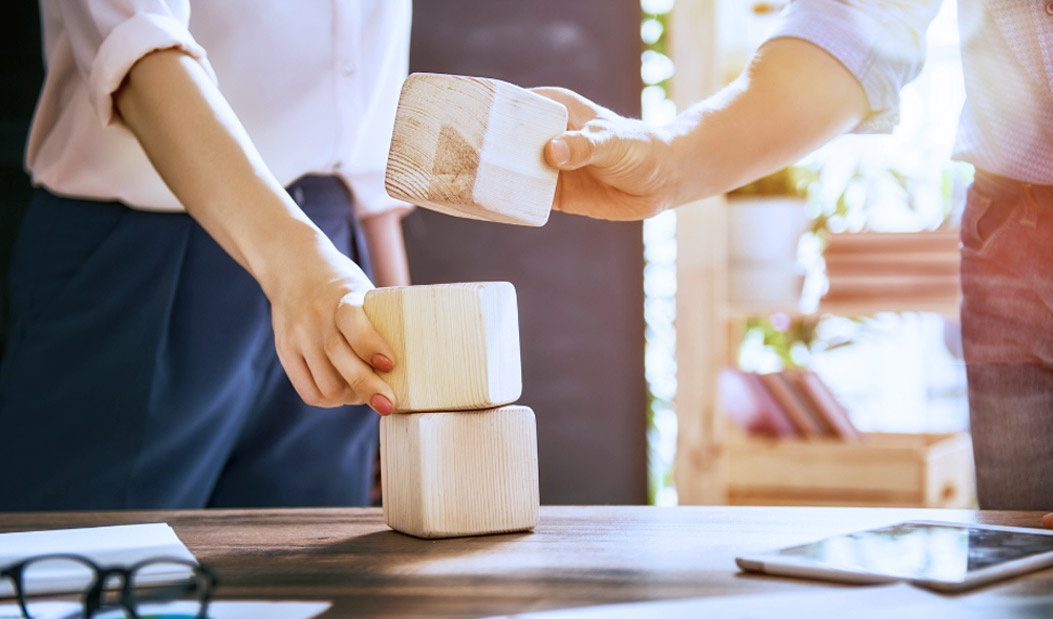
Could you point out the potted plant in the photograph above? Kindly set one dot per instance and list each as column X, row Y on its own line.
column 766, row 219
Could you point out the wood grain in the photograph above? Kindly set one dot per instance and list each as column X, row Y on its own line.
column 456, row 345
column 460, row 473
column 473, row 147
column 576, row 556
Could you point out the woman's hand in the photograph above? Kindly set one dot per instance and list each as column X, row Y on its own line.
column 326, row 344
column 195, row 141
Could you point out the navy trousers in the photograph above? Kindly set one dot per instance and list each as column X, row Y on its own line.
column 141, row 371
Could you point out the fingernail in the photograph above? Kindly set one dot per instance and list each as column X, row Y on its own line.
column 382, row 363
column 560, row 152
column 381, row 404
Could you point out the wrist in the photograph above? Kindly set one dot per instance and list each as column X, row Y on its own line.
column 683, row 171
column 293, row 246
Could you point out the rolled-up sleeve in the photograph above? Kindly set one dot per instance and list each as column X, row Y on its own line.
column 107, row 37
column 881, row 43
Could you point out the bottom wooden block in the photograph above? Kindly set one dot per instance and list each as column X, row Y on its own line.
column 460, row 473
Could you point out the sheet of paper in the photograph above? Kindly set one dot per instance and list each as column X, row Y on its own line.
column 216, row 610
column 106, row 546
column 859, row 602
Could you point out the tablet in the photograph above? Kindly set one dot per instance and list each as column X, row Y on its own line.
column 945, row 556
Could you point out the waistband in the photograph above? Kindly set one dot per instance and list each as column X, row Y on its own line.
column 1006, row 188
column 321, row 194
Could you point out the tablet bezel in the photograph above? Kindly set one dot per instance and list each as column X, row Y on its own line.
column 785, row 565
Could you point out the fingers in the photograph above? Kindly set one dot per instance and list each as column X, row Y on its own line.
column 302, row 380
column 579, row 109
column 1047, row 521
column 333, row 373
column 352, row 373
column 573, row 150
column 365, row 341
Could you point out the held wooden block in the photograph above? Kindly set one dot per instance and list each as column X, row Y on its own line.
column 460, row 473
column 473, row 147
column 456, row 345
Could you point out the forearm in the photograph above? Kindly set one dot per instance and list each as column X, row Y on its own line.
column 388, row 249
column 793, row 98
column 200, row 149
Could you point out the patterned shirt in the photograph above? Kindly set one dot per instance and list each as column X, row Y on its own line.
column 1006, row 125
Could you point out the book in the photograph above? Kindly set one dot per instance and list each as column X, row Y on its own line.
column 794, row 405
column 746, row 400
column 825, row 403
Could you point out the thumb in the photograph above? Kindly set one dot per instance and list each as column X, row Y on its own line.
column 570, row 151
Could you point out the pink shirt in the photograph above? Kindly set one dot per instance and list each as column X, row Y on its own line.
column 315, row 83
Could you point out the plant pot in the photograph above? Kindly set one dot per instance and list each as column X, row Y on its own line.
column 763, row 234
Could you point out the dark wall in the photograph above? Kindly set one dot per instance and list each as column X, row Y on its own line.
column 580, row 282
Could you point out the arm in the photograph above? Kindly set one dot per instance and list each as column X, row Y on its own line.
column 388, row 248
column 196, row 143
column 792, row 98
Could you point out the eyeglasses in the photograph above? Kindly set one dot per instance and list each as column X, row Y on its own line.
column 154, row 580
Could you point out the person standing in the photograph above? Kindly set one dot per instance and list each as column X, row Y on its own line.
column 835, row 66
column 186, row 286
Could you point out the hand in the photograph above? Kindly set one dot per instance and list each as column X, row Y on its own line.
column 611, row 167
column 1047, row 521
column 326, row 344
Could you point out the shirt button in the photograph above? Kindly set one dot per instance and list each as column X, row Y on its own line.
column 1049, row 8
column 348, row 69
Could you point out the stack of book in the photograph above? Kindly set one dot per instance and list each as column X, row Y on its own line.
column 898, row 269
column 792, row 403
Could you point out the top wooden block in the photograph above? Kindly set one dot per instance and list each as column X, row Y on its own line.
column 473, row 147
column 456, row 345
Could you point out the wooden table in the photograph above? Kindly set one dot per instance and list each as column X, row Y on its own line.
column 577, row 556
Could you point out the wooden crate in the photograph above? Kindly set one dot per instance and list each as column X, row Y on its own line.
column 884, row 470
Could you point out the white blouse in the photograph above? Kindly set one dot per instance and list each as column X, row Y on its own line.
column 315, row 83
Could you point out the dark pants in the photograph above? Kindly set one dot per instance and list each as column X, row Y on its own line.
column 141, row 371
column 1007, row 332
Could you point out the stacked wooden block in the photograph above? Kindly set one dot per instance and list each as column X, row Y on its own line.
column 456, row 460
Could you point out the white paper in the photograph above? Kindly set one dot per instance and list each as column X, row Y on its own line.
column 120, row 545
column 216, row 610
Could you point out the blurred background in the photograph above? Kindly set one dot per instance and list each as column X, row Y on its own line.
column 627, row 328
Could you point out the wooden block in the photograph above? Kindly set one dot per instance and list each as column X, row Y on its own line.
column 456, row 345
column 453, row 474
column 473, row 147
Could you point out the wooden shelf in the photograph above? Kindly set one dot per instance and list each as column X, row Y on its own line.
column 857, row 307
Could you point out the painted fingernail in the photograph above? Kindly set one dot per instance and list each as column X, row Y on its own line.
column 560, row 152
column 381, row 404
column 382, row 363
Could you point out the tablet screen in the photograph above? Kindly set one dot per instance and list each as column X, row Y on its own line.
column 926, row 551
